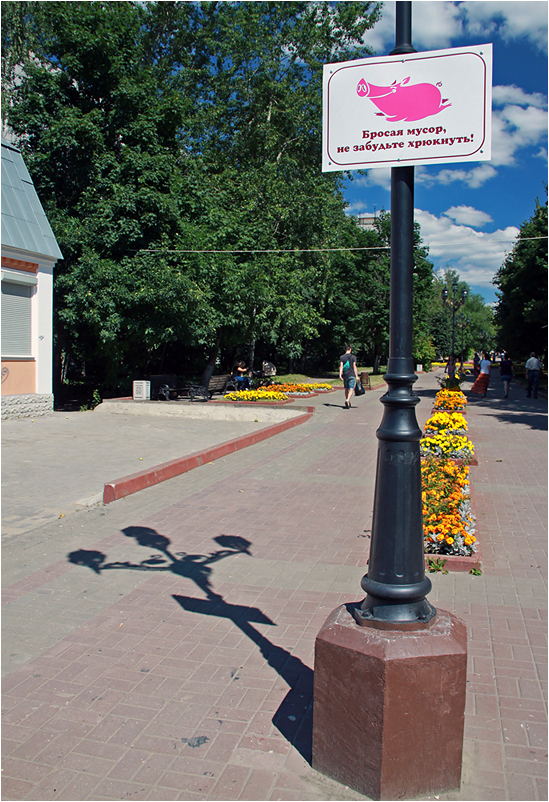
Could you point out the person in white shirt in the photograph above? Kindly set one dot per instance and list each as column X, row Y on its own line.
column 533, row 372
column 481, row 384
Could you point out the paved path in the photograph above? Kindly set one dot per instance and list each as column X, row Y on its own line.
column 66, row 458
column 162, row 647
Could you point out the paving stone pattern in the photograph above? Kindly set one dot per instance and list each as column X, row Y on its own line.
column 165, row 650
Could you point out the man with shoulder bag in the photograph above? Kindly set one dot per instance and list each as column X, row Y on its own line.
column 348, row 374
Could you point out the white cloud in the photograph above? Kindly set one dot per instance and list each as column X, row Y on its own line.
column 475, row 255
column 501, row 95
column 473, row 178
column 519, row 119
column 359, row 209
column 510, row 19
column 377, row 177
column 435, row 24
column 381, row 38
column 514, row 128
column 467, row 215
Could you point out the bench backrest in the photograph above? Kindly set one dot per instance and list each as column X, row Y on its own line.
column 218, row 382
column 163, row 378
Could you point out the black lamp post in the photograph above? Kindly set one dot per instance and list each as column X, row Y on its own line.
column 454, row 304
column 464, row 321
column 386, row 690
column 396, row 585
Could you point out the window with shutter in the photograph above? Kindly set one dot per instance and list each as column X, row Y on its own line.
column 16, row 319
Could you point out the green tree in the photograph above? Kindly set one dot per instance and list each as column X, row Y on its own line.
column 20, row 22
column 101, row 132
column 259, row 138
column 476, row 335
column 154, row 131
column 521, row 311
column 363, row 312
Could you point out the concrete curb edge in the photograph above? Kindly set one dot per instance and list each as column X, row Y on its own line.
column 126, row 485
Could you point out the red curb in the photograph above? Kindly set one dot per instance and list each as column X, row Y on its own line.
column 119, row 488
column 456, row 563
column 371, row 387
column 461, row 411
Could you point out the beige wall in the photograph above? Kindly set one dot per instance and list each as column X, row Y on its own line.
column 18, row 377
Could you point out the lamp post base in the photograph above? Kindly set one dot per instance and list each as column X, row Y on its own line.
column 389, row 705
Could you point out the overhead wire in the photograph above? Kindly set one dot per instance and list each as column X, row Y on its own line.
column 302, row 250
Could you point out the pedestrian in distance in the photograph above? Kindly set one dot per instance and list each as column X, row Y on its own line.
column 481, row 384
column 533, row 372
column 450, row 368
column 476, row 365
column 348, row 373
column 506, row 372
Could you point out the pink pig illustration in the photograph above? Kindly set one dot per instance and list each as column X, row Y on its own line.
column 399, row 102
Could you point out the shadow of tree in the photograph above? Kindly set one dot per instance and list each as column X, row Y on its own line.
column 521, row 410
column 525, row 411
column 293, row 718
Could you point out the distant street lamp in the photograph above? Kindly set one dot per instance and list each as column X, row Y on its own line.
column 454, row 304
column 464, row 322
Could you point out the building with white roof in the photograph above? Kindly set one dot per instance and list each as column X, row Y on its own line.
column 29, row 254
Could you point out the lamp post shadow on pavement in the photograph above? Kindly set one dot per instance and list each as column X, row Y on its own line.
column 390, row 671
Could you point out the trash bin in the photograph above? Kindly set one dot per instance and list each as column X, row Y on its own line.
column 365, row 380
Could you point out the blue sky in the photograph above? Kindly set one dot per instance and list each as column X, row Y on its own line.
column 470, row 213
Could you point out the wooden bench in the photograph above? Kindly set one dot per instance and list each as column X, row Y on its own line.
column 217, row 384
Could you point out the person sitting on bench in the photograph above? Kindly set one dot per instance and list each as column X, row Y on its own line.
column 242, row 380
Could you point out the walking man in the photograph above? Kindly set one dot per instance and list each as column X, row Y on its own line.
column 349, row 374
column 533, row 372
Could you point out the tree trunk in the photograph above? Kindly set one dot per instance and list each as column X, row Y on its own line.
column 252, row 355
column 162, row 355
column 210, row 364
column 377, row 359
column 58, row 366
column 252, row 340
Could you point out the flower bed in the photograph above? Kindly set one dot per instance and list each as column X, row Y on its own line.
column 446, row 434
column 450, row 400
column 450, row 542
column 278, row 392
column 442, row 421
column 302, row 388
column 448, row 522
column 261, row 395
column 447, row 445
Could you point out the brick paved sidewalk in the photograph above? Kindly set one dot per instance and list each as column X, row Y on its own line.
column 171, row 658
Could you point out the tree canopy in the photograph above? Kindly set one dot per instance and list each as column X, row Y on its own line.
column 176, row 148
column 473, row 321
column 161, row 134
column 521, row 311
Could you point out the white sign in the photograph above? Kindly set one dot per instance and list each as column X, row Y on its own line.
column 420, row 108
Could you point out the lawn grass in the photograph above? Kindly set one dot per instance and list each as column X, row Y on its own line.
column 328, row 376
